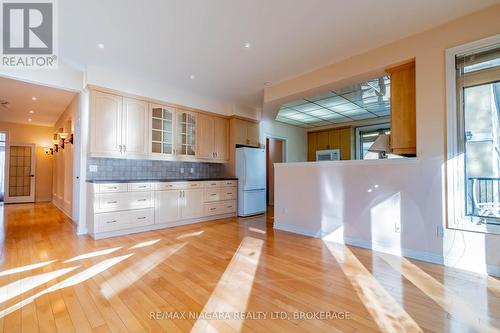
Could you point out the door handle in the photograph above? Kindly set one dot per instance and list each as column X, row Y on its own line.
column 32, row 176
column 121, row 149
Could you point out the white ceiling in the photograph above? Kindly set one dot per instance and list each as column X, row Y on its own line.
column 49, row 105
column 168, row 40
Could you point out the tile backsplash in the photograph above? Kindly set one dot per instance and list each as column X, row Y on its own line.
column 119, row 169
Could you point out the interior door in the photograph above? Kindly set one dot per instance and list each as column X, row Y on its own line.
column 135, row 125
column 192, row 203
column 20, row 185
column 167, row 206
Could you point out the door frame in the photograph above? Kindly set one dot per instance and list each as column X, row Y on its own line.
column 5, row 165
column 267, row 137
column 31, row 198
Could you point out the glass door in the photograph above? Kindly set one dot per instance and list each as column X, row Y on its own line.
column 21, row 169
column 162, row 128
column 186, row 134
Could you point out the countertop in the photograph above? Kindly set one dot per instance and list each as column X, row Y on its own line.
column 104, row 181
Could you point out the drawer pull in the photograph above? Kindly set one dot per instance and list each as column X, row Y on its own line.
column 143, row 186
column 213, row 194
column 213, row 208
column 142, row 200
column 141, row 218
column 229, row 193
column 111, row 187
column 112, row 202
column 193, row 185
column 112, row 221
column 213, row 184
column 229, row 206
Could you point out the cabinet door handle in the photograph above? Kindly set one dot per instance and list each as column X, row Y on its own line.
column 112, row 202
column 120, row 148
column 124, row 148
column 143, row 186
column 112, row 221
column 213, row 194
column 142, row 200
column 213, row 208
column 141, row 218
column 112, row 187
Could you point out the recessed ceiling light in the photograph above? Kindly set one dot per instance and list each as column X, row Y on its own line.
column 31, row 111
column 33, row 98
column 30, row 120
column 247, row 45
column 192, row 76
column 100, row 45
column 267, row 84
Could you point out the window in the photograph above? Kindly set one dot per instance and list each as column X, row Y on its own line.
column 474, row 138
column 366, row 136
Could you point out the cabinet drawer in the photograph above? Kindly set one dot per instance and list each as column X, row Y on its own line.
column 212, row 184
column 228, row 193
column 123, row 220
column 229, row 183
column 214, row 208
column 228, row 207
column 212, row 194
column 109, row 202
column 111, row 188
column 140, row 187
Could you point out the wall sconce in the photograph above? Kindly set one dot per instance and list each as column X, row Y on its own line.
column 49, row 151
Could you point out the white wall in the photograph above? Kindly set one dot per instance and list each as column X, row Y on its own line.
column 365, row 203
column 296, row 138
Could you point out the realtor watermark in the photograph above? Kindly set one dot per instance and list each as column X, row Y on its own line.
column 250, row 315
column 29, row 34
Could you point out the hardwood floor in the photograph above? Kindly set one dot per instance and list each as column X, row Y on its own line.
column 54, row 281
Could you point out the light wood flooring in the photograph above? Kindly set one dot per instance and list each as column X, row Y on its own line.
column 233, row 275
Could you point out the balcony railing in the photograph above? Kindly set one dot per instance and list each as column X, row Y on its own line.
column 484, row 197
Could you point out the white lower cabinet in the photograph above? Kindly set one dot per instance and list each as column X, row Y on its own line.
column 118, row 209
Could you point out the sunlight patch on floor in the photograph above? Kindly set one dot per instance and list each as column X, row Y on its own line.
column 21, row 286
column 138, row 269
column 144, row 244
column 93, row 254
column 70, row 281
column 260, row 231
column 25, row 268
column 387, row 312
column 191, row 234
column 446, row 298
column 233, row 290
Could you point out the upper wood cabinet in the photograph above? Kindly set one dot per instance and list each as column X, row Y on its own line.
column 246, row 132
column 213, row 134
column 185, row 143
column 403, row 109
column 330, row 139
column 118, row 126
column 162, row 128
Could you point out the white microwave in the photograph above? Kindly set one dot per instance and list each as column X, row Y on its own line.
column 328, row 155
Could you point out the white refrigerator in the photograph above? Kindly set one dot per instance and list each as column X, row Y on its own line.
column 251, row 173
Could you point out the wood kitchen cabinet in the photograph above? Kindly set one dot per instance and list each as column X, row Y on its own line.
column 246, row 132
column 213, row 134
column 330, row 139
column 403, row 109
column 167, row 206
column 162, row 131
column 192, row 203
column 118, row 126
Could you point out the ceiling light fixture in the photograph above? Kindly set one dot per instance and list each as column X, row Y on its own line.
column 267, row 84
column 33, row 98
column 31, row 111
column 100, row 45
column 30, row 120
column 247, row 45
column 192, row 76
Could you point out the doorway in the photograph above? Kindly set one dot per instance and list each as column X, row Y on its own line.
column 20, row 180
column 3, row 144
column 275, row 153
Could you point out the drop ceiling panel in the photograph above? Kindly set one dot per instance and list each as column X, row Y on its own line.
column 366, row 100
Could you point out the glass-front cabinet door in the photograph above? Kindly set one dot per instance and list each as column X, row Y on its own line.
column 186, row 134
column 162, row 130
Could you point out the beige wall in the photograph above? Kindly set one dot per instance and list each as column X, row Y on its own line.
column 428, row 49
column 63, row 161
column 41, row 136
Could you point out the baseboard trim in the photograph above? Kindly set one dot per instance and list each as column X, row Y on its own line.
column 408, row 253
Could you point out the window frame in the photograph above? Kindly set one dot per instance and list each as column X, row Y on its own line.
column 455, row 164
column 367, row 128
